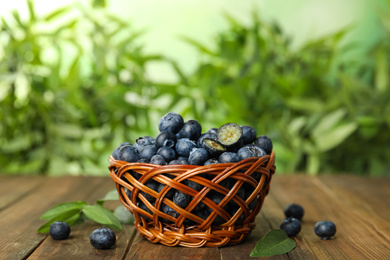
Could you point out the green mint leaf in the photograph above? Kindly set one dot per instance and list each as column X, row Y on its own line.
column 101, row 215
column 69, row 217
column 111, row 195
column 275, row 242
column 62, row 208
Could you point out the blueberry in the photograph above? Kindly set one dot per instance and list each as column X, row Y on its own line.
column 142, row 206
column 102, row 238
column 181, row 199
column 141, row 142
column 230, row 135
column 128, row 153
column 148, row 151
column 184, row 146
column 143, row 160
column 325, row 229
column 213, row 130
column 211, row 161
column 265, row 143
column 165, row 139
column 115, row 153
column 169, row 211
column 249, row 151
column 291, row 226
column 205, row 135
column 171, row 122
column 59, row 230
column 167, row 152
column 152, row 185
column 213, row 147
column 158, row 159
column 175, row 161
column 169, row 194
column 198, row 156
column 229, row 157
column 183, row 160
column 248, row 134
column 294, row 210
column 191, row 129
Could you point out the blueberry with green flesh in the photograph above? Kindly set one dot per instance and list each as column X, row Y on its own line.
column 165, row 138
column 167, row 152
column 171, row 122
column 294, row 210
column 248, row 134
column 213, row 147
column 128, row 153
column 181, row 199
column 148, row 151
column 265, row 143
column 325, row 229
column 230, row 136
column 158, row 159
column 249, row 151
column 191, row 129
column 198, row 156
column 211, row 161
column 59, row 230
column 184, row 146
column 229, row 157
column 141, row 142
column 291, row 226
column 205, row 135
column 102, row 238
column 115, row 153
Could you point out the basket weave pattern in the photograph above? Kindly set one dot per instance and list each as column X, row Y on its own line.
column 159, row 227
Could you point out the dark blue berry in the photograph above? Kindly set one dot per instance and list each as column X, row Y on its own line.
column 213, row 147
column 158, row 159
column 211, row 161
column 249, row 151
column 294, row 210
column 143, row 160
column 148, row 151
column 141, row 142
column 165, row 139
column 229, row 157
column 265, row 143
column 167, row 152
column 59, row 230
column 248, row 134
column 191, row 129
column 102, row 238
column 171, row 122
column 184, row 146
column 198, row 156
column 181, row 199
column 325, row 229
column 169, row 194
column 115, row 153
column 152, row 185
column 128, row 153
column 291, row 226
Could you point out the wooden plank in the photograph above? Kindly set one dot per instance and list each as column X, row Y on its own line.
column 13, row 188
column 19, row 222
column 78, row 246
column 355, row 238
column 143, row 249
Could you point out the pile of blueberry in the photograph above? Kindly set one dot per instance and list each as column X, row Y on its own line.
column 292, row 223
column 182, row 142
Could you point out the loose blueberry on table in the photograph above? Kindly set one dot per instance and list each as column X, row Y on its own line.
column 59, row 230
column 325, row 229
column 102, row 238
column 291, row 226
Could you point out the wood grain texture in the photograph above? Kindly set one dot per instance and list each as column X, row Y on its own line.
column 360, row 208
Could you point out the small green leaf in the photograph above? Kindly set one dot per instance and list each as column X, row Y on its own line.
column 69, row 217
column 335, row 136
column 62, row 209
column 111, row 195
column 275, row 242
column 101, row 215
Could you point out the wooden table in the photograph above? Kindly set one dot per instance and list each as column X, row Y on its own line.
column 360, row 208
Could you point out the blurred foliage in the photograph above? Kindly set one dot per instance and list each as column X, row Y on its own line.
column 324, row 113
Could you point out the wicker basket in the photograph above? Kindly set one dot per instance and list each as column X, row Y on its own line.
column 187, row 229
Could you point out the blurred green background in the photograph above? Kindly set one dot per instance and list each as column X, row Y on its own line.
column 78, row 78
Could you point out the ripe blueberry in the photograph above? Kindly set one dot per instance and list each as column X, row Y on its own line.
column 59, row 230
column 148, row 151
column 294, row 210
column 184, row 146
column 165, row 138
column 198, row 156
column 291, row 226
column 325, row 229
column 191, row 129
column 128, row 153
column 248, row 134
column 229, row 157
column 171, row 122
column 265, row 143
column 167, row 152
column 102, row 238
column 158, row 159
